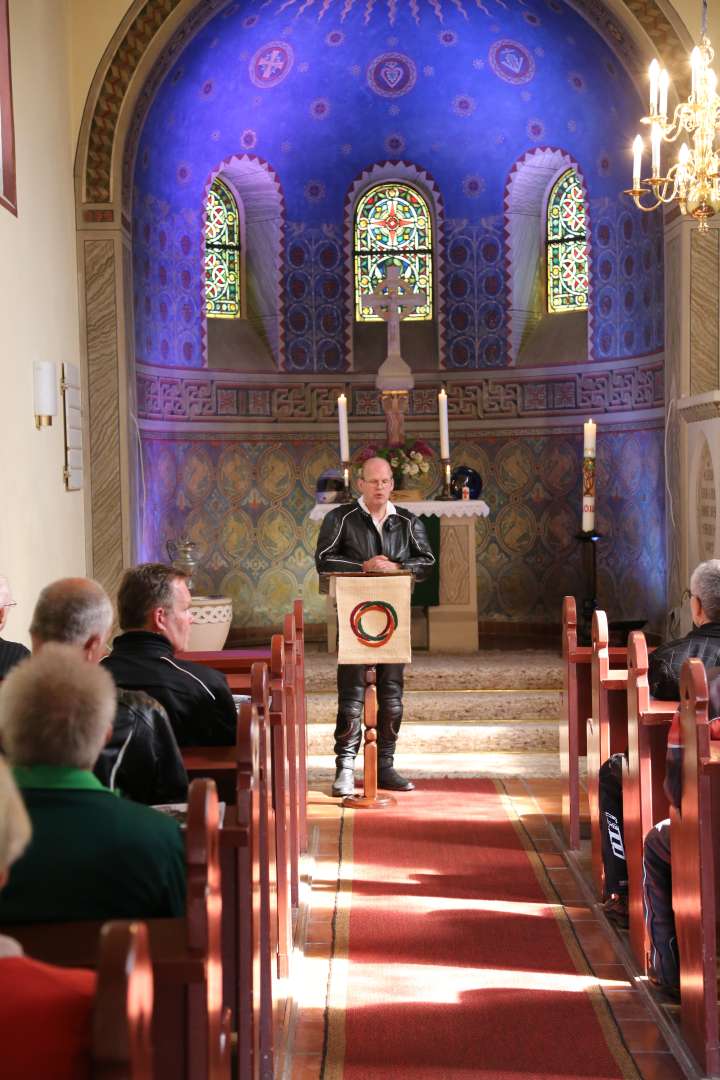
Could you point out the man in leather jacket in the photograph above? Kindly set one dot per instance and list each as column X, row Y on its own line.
column 664, row 666
column 141, row 759
column 371, row 534
column 154, row 609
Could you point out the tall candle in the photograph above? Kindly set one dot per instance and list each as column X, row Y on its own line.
column 343, row 422
column 588, row 479
column 654, row 75
column 444, row 433
column 655, row 139
column 664, row 84
column 637, row 161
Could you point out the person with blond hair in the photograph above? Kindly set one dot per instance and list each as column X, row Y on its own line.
column 92, row 855
column 46, row 1016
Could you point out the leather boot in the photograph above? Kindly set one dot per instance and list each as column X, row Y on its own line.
column 344, row 782
column 390, row 709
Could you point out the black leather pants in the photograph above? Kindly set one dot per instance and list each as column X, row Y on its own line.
column 351, row 695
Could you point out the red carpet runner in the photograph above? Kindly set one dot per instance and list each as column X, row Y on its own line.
column 461, row 961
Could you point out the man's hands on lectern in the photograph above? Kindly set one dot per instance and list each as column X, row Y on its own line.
column 380, row 564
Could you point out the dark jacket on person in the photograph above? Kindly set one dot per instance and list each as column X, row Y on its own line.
column 348, row 538
column 142, row 760
column 196, row 699
column 11, row 653
column 674, row 754
column 92, row 855
column 667, row 660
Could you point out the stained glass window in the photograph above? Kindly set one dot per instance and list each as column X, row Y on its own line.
column 567, row 253
column 222, row 254
column 392, row 228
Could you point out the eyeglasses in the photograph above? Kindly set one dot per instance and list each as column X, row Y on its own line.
column 377, row 483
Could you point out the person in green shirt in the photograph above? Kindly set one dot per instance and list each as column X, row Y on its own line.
column 92, row 854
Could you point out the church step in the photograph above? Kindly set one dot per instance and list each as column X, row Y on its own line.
column 531, row 669
column 428, row 738
column 468, row 707
column 321, row 768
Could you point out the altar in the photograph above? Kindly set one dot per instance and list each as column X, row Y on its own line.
column 453, row 623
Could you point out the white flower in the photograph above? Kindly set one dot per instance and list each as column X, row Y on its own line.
column 413, row 469
column 394, row 462
column 424, row 466
column 415, row 456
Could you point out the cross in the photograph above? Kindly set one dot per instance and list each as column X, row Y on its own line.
column 390, row 301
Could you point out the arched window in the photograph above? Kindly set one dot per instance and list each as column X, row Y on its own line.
column 392, row 228
column 567, row 254
column 222, row 254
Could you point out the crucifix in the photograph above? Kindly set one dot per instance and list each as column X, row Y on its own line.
column 393, row 300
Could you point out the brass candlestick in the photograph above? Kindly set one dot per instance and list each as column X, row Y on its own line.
column 446, row 494
column 347, row 494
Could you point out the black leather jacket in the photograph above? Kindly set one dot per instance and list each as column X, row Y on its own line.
column 348, row 538
column 196, row 699
column 666, row 661
column 142, row 759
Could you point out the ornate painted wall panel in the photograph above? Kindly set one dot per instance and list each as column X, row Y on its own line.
column 245, row 503
column 324, row 92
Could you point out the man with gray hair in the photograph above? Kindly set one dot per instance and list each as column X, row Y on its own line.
column 11, row 652
column 141, row 759
column 664, row 666
column 92, row 855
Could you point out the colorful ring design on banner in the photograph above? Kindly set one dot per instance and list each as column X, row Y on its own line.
column 373, row 641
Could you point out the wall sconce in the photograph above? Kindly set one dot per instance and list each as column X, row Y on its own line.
column 45, row 393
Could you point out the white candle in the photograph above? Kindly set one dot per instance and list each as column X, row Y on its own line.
column 588, row 498
column 683, row 159
column 444, row 432
column 664, row 83
column 655, row 137
column 637, row 161
column 343, row 422
column 654, row 74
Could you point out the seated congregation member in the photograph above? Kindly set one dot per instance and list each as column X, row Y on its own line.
column 92, row 855
column 11, row 652
column 155, row 615
column 46, row 1013
column 664, row 970
column 142, row 759
column 664, row 665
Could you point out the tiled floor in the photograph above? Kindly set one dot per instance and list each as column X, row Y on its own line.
column 537, row 802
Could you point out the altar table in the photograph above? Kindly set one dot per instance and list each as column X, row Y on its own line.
column 453, row 624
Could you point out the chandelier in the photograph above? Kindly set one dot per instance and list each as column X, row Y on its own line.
column 694, row 179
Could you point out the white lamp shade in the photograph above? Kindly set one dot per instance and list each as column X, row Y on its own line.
column 45, row 392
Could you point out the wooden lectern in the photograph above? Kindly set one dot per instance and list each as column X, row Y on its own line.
column 373, row 628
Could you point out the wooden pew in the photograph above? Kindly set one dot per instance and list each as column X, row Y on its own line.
column 644, row 801
column 606, row 729
column 576, row 708
column 301, row 702
column 695, row 885
column 190, row 1025
column 198, row 761
column 121, row 1046
column 249, row 876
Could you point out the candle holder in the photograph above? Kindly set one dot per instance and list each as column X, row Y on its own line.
column 588, row 604
column 346, row 493
column 445, row 495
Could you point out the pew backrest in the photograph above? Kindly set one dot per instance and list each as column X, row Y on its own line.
column 122, row 1013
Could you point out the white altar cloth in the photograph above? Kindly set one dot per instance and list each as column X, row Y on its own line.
column 429, row 507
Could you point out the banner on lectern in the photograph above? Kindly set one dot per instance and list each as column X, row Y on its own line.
column 373, row 618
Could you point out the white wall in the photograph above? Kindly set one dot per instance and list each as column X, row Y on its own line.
column 41, row 525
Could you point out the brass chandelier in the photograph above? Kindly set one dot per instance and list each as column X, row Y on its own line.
column 694, row 179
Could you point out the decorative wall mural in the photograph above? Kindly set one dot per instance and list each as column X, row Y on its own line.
column 258, row 546
column 452, row 91
column 706, row 502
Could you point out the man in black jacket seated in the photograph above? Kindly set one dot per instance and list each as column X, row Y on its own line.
column 372, row 535
column 141, row 759
column 155, row 615
column 11, row 652
column 664, row 665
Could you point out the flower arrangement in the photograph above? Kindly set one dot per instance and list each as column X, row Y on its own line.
column 408, row 462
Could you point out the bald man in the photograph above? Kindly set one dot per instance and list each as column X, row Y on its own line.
column 371, row 534
column 142, row 759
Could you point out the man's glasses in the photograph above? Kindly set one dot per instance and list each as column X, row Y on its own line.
column 377, row 483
